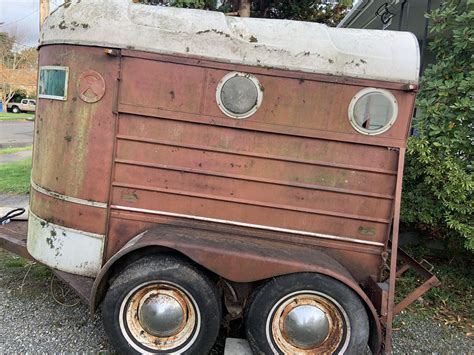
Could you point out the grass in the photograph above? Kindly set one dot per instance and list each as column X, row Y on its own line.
column 12, row 262
column 452, row 303
column 14, row 150
column 9, row 116
column 15, row 176
column 16, row 262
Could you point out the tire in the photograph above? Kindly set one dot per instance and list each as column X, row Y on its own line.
column 270, row 317
column 158, row 278
column 15, row 109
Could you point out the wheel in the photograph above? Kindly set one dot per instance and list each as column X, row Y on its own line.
column 162, row 304
column 306, row 313
column 15, row 109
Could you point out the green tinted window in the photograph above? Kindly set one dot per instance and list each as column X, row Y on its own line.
column 53, row 83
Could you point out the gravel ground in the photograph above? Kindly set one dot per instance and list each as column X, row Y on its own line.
column 32, row 321
column 429, row 337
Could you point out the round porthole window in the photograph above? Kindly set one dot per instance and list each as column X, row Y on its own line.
column 373, row 111
column 239, row 95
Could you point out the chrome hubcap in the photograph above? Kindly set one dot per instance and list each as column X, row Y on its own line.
column 160, row 314
column 308, row 322
column 306, row 326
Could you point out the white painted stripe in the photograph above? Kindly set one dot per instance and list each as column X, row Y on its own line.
column 241, row 224
column 63, row 248
column 59, row 196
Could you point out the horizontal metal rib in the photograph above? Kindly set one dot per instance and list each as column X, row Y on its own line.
column 248, row 225
column 257, row 155
column 59, row 196
column 255, row 179
column 251, row 203
column 175, row 115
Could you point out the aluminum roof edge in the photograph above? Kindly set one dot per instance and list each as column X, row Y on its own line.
column 356, row 9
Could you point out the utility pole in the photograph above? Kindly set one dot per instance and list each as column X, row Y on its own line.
column 44, row 11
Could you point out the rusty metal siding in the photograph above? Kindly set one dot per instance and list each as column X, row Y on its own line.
column 73, row 139
column 73, row 148
column 85, row 218
column 348, row 254
column 296, row 164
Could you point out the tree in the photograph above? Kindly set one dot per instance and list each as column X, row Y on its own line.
column 13, row 64
column 323, row 11
column 303, row 10
column 438, row 186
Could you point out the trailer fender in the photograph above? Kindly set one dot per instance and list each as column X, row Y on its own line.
column 238, row 258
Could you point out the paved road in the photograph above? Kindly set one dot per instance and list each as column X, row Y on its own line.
column 8, row 158
column 16, row 133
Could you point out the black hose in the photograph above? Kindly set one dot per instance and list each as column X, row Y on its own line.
column 11, row 214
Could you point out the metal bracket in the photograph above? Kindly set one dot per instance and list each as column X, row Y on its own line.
column 430, row 281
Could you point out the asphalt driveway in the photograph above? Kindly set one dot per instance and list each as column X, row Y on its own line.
column 16, row 133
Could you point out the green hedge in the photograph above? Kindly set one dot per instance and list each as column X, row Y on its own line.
column 438, row 185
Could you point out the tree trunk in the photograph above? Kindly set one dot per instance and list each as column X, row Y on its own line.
column 244, row 8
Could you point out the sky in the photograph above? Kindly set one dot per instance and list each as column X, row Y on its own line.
column 21, row 17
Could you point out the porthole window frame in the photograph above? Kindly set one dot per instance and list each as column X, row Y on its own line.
column 381, row 130
column 66, row 82
column 231, row 114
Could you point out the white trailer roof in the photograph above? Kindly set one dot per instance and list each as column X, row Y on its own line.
column 293, row 45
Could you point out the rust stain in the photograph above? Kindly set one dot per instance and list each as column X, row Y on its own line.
column 163, row 343
column 130, row 197
column 366, row 231
column 335, row 332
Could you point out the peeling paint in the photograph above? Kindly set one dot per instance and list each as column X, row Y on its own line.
column 62, row 25
column 131, row 197
column 61, row 250
column 49, row 241
column 215, row 31
column 366, row 231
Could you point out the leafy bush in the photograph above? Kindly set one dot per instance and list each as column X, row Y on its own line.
column 438, row 186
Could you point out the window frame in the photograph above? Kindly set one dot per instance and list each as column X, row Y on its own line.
column 66, row 81
column 352, row 119
column 221, row 105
